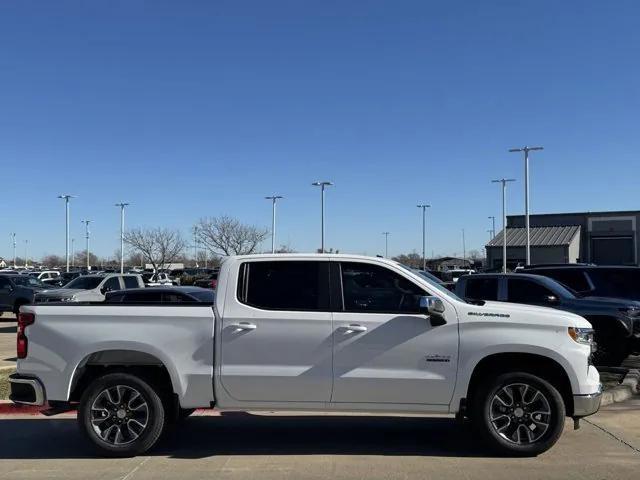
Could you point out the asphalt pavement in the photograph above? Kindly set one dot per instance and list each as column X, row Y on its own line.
column 265, row 446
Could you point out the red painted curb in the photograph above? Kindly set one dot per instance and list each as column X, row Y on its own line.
column 10, row 408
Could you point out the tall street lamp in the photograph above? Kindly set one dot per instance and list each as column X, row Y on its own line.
column 26, row 257
column 322, row 186
column 73, row 252
column 424, row 207
column 526, row 151
column 493, row 224
column 386, row 244
column 13, row 236
column 274, row 199
column 122, row 205
column 504, row 181
column 86, row 236
column 66, row 199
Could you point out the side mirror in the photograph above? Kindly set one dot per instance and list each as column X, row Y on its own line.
column 551, row 299
column 433, row 307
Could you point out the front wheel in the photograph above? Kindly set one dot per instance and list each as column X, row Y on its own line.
column 121, row 415
column 519, row 414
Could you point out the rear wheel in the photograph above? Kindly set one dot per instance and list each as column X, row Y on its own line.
column 519, row 414
column 121, row 414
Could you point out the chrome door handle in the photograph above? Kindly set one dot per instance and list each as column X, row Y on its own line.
column 356, row 328
column 245, row 326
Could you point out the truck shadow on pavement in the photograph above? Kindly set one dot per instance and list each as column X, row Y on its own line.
column 246, row 434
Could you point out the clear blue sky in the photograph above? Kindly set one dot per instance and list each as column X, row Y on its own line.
column 189, row 109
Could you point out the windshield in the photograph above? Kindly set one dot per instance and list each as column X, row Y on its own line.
column 84, row 283
column 435, row 284
column 618, row 283
column 27, row 281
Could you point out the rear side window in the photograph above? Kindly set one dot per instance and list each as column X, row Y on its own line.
column 131, row 282
column 481, row 288
column 285, row 285
column 375, row 289
column 574, row 279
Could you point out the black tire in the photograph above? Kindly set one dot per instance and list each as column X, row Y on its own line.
column 525, row 416
column 121, row 384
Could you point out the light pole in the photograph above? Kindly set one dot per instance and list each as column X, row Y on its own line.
column 504, row 181
column 322, row 186
column 13, row 235
column 464, row 246
column 122, row 205
column 66, row 199
column 86, row 236
column 73, row 252
column 386, row 244
column 491, row 234
column 195, row 247
column 273, row 199
column 424, row 207
column 493, row 224
column 26, row 258
column 526, row 151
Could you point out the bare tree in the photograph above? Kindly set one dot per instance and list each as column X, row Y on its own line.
column 227, row 236
column 158, row 246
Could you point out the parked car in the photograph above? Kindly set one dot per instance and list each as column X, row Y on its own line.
column 90, row 288
column 312, row 332
column 430, row 276
column 49, row 277
column 593, row 280
column 616, row 321
column 210, row 282
column 459, row 272
column 66, row 277
column 156, row 279
column 161, row 296
column 17, row 290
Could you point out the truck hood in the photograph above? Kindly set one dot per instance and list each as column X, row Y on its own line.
column 528, row 314
column 60, row 292
column 611, row 302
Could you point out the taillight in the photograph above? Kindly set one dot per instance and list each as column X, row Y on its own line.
column 214, row 284
column 24, row 320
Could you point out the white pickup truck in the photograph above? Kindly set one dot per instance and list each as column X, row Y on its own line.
column 333, row 333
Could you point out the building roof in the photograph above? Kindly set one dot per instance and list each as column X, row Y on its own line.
column 540, row 236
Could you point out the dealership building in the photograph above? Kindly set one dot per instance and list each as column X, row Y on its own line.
column 604, row 238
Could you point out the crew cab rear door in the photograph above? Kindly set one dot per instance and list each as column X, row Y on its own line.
column 384, row 350
column 276, row 333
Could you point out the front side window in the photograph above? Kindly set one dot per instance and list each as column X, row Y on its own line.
column 111, row 284
column 528, row 292
column 481, row 288
column 285, row 285
column 375, row 289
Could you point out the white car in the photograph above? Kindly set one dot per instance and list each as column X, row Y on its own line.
column 317, row 332
column 156, row 279
column 89, row 288
column 49, row 277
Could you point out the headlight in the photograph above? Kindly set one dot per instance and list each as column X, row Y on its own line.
column 66, row 299
column 582, row 335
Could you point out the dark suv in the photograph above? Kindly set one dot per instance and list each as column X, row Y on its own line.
column 616, row 321
column 593, row 280
column 18, row 290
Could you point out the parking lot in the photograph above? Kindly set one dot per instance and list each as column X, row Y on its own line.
column 7, row 340
column 265, row 446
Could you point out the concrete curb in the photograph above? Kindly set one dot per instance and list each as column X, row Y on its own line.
column 627, row 389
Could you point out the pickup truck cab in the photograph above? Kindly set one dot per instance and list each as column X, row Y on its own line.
column 90, row 288
column 17, row 290
column 316, row 332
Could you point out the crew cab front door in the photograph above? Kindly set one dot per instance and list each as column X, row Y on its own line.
column 276, row 338
column 384, row 350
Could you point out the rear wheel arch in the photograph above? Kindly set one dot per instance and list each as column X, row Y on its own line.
column 539, row 365
column 140, row 364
